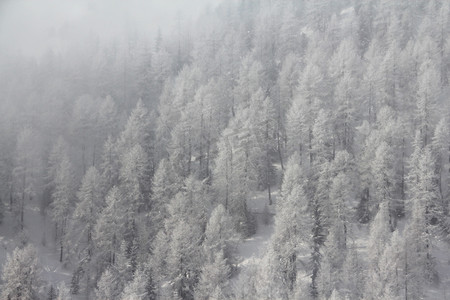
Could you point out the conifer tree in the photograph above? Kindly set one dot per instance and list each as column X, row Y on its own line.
column 106, row 286
column 51, row 293
column 138, row 131
column 220, row 236
column 27, row 167
column 293, row 223
column 63, row 292
column 87, row 211
column 135, row 179
column 183, row 260
column 63, row 197
column 109, row 165
column 136, row 289
column 384, row 179
column 380, row 232
column 109, row 230
column 82, row 229
column 214, row 278
column 21, row 275
column 165, row 185
column 393, row 267
column 234, row 175
column 353, row 275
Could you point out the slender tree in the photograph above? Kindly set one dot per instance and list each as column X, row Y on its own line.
column 21, row 275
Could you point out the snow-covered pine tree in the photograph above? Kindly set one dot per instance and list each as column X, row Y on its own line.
column 220, row 236
column 160, row 248
column 109, row 164
column 63, row 292
column 393, row 268
column 51, row 295
column 441, row 150
column 27, row 168
column 135, row 179
column 77, row 275
column 353, row 274
column 322, row 149
column 57, row 153
column 233, row 174
column 182, row 238
column 293, row 223
column 380, row 231
column 341, row 214
column 214, row 278
column 427, row 95
column 262, row 116
column 384, row 180
column 335, row 247
column 85, row 216
column 425, row 215
column 296, row 135
column 183, row 260
column 109, row 231
column 287, row 82
column 137, row 130
column 81, row 232
column 63, row 197
column 107, row 288
column 165, row 185
column 346, row 96
column 137, row 288
column 83, row 128
column 21, row 275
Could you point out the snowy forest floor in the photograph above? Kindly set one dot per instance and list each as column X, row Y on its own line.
column 250, row 251
column 37, row 229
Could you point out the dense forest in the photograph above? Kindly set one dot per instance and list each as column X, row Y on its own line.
column 142, row 154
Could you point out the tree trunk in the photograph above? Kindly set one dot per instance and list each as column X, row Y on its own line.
column 270, row 195
column 83, row 150
column 208, row 148
column 189, row 156
column 406, row 273
column 268, row 171
column 279, row 151
column 318, row 241
column 61, row 251
column 22, row 208
column 93, row 156
column 310, row 147
column 202, row 174
column 11, row 197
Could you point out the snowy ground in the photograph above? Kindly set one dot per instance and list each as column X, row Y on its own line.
column 52, row 271
column 251, row 249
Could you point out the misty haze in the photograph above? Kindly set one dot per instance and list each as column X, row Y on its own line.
column 214, row 149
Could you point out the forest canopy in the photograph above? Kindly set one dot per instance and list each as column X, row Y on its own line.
column 151, row 159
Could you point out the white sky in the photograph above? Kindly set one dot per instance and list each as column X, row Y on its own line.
column 30, row 27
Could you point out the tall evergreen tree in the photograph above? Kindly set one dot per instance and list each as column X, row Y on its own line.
column 84, row 218
column 27, row 167
column 21, row 275
column 63, row 198
column 109, row 231
column 380, row 232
